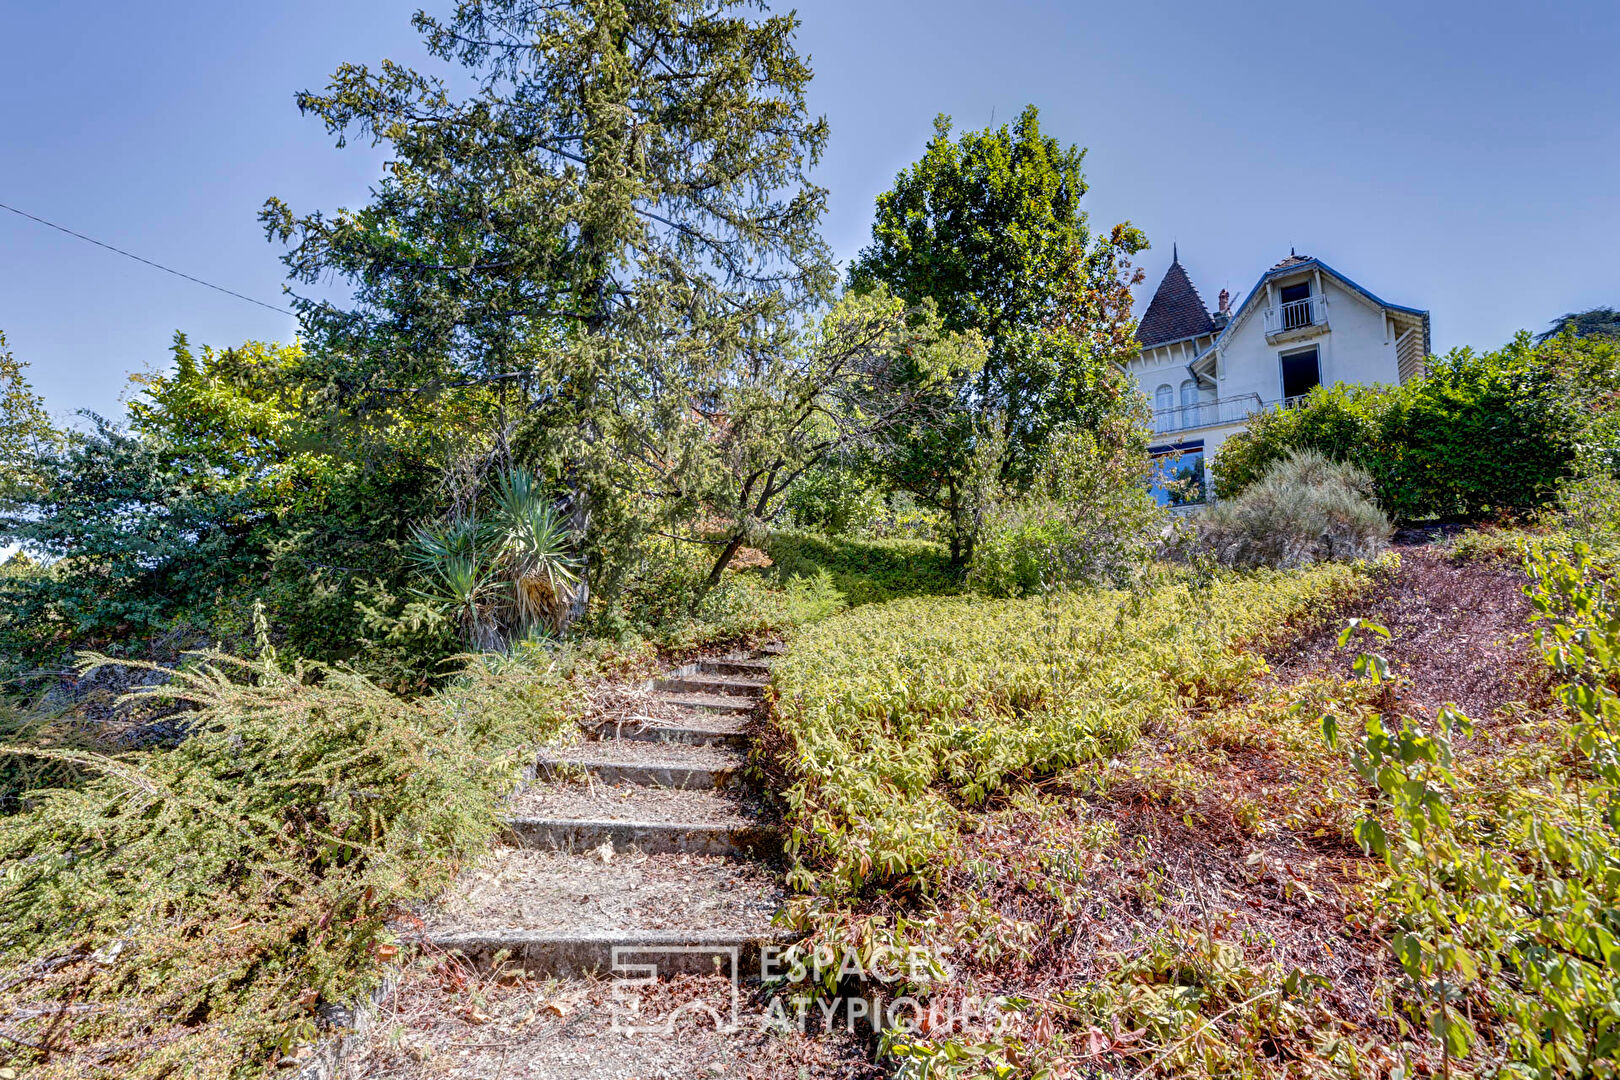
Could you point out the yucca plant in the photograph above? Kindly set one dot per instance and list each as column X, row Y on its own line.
column 542, row 572
column 451, row 565
column 505, row 578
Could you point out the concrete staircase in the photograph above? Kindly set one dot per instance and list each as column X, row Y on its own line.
column 637, row 845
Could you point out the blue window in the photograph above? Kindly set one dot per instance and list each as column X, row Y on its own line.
column 1178, row 474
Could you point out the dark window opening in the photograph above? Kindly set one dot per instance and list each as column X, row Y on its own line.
column 1301, row 373
column 1296, row 307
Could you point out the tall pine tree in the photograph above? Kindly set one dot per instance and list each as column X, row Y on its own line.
column 610, row 224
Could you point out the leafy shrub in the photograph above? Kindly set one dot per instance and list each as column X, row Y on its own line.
column 1506, row 898
column 204, row 900
column 893, row 714
column 1339, row 421
column 227, row 487
column 1481, row 434
column 865, row 571
column 834, row 500
column 663, row 600
column 1088, row 519
column 1305, row 509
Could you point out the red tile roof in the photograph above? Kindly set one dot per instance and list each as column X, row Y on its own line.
column 1176, row 311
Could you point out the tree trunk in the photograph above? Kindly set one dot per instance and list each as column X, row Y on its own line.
column 720, row 564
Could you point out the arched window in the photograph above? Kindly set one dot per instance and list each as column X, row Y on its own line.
column 1164, row 398
column 1191, row 414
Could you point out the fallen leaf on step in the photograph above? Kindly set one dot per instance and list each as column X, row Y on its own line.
column 473, row 1014
column 605, row 852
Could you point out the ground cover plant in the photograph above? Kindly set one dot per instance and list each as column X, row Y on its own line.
column 864, row 571
column 893, row 717
column 1429, row 892
column 192, row 908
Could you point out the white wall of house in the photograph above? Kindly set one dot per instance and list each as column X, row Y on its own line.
column 1358, row 347
column 1358, row 341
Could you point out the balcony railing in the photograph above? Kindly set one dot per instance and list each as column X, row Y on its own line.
column 1296, row 315
column 1230, row 410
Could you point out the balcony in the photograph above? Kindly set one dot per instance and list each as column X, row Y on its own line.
column 1296, row 319
column 1230, row 410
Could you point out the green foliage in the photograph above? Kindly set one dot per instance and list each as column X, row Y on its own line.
column 1507, row 904
column 205, row 900
column 615, row 225
column 1481, row 434
column 1088, row 518
column 865, row 367
column 24, row 426
column 138, row 538
column 989, row 228
column 232, row 483
column 896, row 714
column 655, row 603
column 507, row 577
column 1306, row 508
column 864, row 571
column 1594, row 322
column 834, row 500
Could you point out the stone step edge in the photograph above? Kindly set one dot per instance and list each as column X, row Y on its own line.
column 653, row 730
column 743, row 688
column 651, row 837
column 646, row 774
column 735, row 706
column 715, row 665
column 584, row 951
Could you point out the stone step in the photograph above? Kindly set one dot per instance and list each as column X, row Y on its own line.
column 664, row 765
column 562, row 914
column 569, row 953
column 716, row 732
column 649, row 837
column 731, row 665
column 583, row 817
column 724, row 704
column 712, row 685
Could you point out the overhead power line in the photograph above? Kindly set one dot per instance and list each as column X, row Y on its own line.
column 148, row 262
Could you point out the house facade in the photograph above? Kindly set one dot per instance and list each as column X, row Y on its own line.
column 1303, row 325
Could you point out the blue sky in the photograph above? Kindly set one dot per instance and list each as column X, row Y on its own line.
column 1458, row 156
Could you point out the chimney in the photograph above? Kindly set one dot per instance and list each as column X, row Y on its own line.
column 1226, row 303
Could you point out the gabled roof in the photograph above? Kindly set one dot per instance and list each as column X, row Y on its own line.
column 1295, row 263
column 1176, row 312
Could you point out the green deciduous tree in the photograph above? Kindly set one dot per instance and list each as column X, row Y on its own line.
column 613, row 218
column 24, row 426
column 989, row 228
column 226, row 487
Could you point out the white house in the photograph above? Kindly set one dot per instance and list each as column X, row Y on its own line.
column 1303, row 324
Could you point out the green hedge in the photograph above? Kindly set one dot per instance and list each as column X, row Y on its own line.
column 1482, row 434
column 865, row 571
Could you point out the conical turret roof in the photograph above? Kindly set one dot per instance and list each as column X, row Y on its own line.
column 1176, row 311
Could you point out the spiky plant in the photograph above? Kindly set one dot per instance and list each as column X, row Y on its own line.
column 452, row 562
column 505, row 578
column 542, row 571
